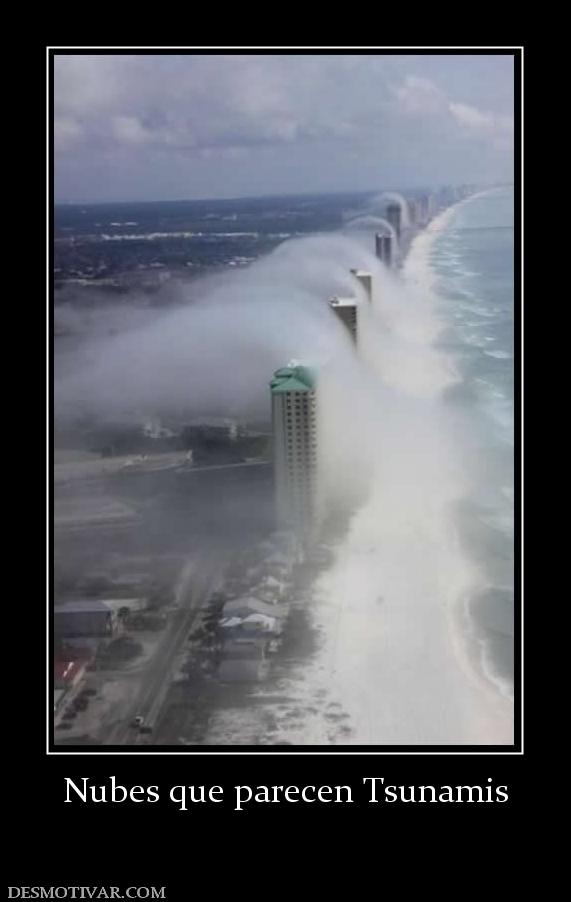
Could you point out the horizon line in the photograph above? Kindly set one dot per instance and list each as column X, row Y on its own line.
column 181, row 200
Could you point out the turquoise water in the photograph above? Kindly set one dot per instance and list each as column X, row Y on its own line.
column 473, row 259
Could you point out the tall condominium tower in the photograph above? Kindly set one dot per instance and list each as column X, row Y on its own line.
column 384, row 247
column 346, row 310
column 366, row 280
column 394, row 216
column 294, row 426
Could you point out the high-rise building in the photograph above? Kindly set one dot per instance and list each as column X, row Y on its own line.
column 294, row 426
column 366, row 280
column 413, row 211
column 384, row 247
column 394, row 216
column 346, row 310
column 426, row 208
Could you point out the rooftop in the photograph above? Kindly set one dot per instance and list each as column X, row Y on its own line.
column 293, row 378
column 253, row 606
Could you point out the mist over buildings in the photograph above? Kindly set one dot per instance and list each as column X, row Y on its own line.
column 215, row 354
column 218, row 351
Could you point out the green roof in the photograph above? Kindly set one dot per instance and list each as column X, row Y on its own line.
column 293, row 378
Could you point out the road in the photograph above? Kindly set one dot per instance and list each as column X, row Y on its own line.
column 199, row 578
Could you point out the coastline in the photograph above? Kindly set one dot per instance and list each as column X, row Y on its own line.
column 470, row 645
column 389, row 609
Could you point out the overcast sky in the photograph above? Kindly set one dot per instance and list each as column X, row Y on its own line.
column 168, row 127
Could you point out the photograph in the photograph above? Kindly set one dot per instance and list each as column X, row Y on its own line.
column 285, row 308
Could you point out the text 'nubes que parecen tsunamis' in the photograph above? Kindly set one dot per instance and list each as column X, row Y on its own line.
column 372, row 790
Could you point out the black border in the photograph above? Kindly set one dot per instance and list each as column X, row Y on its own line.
column 517, row 747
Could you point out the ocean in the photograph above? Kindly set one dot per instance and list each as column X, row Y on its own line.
column 473, row 260
column 414, row 619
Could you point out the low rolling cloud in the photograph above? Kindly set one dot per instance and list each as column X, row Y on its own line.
column 150, row 127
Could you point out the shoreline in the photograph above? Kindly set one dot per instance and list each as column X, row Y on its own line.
column 475, row 648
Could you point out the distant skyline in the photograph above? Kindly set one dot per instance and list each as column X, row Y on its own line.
column 146, row 127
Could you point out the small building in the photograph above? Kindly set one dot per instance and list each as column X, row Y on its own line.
column 84, row 619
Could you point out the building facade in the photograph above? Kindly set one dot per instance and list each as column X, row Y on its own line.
column 384, row 248
column 345, row 310
column 394, row 216
column 294, row 425
column 366, row 280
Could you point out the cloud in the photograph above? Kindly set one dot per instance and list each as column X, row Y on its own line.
column 67, row 132
column 479, row 120
column 110, row 109
column 420, row 98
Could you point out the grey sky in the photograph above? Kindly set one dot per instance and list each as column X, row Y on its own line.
column 144, row 127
